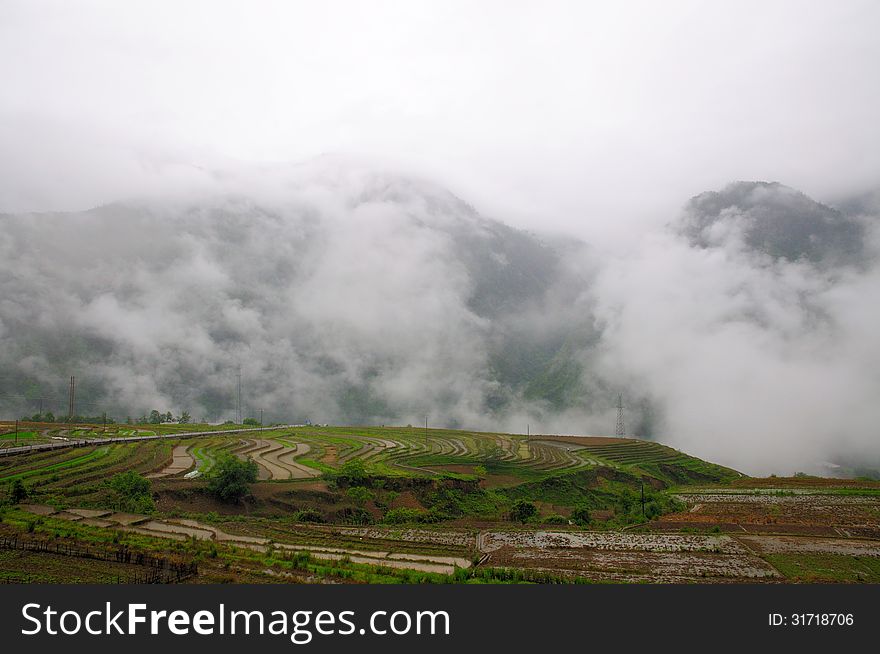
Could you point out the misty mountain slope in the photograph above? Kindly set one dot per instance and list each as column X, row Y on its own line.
column 343, row 293
column 745, row 334
column 777, row 221
column 749, row 328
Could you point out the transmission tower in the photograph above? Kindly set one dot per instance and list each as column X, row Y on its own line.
column 71, row 398
column 621, row 427
column 239, row 395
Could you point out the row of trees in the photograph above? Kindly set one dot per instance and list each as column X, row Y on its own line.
column 157, row 418
column 154, row 418
column 48, row 416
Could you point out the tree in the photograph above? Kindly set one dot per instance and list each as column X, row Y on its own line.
column 17, row 491
column 253, row 422
column 353, row 472
column 581, row 515
column 131, row 492
column 229, row 478
column 184, row 418
column 155, row 417
column 359, row 494
column 168, row 417
column 522, row 511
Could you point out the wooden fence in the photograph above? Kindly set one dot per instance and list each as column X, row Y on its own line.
column 158, row 570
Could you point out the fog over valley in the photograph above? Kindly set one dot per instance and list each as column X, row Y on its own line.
column 348, row 293
column 492, row 217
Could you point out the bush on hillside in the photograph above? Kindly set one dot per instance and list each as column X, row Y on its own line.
column 131, row 492
column 229, row 478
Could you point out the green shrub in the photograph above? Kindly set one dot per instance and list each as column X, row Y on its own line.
column 308, row 515
column 523, row 511
column 17, row 491
column 131, row 493
column 229, row 478
column 402, row 515
column 351, row 473
column 359, row 494
column 581, row 515
column 555, row 519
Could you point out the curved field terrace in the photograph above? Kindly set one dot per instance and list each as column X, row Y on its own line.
column 385, row 504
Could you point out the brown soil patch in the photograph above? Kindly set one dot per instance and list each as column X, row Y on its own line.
column 320, row 486
column 329, row 455
column 496, row 481
column 277, row 498
column 806, row 545
column 799, row 509
column 406, row 500
column 458, row 468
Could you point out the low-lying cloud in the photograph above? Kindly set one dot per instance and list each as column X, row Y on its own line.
column 344, row 294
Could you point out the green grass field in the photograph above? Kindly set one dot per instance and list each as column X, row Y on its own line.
column 816, row 568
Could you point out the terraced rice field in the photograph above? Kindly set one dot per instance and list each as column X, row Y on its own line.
column 182, row 529
column 305, row 452
column 181, row 462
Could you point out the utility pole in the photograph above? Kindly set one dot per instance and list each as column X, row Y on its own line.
column 528, row 432
column 621, row 428
column 71, row 399
column 426, row 432
column 239, row 395
column 261, row 420
column 642, row 483
column 16, row 432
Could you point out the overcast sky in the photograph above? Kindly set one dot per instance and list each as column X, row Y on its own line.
column 592, row 118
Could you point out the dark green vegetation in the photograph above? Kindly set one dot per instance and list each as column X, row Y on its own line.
column 131, row 492
column 229, row 479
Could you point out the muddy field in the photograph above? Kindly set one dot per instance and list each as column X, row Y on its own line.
column 594, row 540
column 620, row 556
column 802, row 512
column 182, row 529
column 640, row 566
column 807, row 545
column 181, row 462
